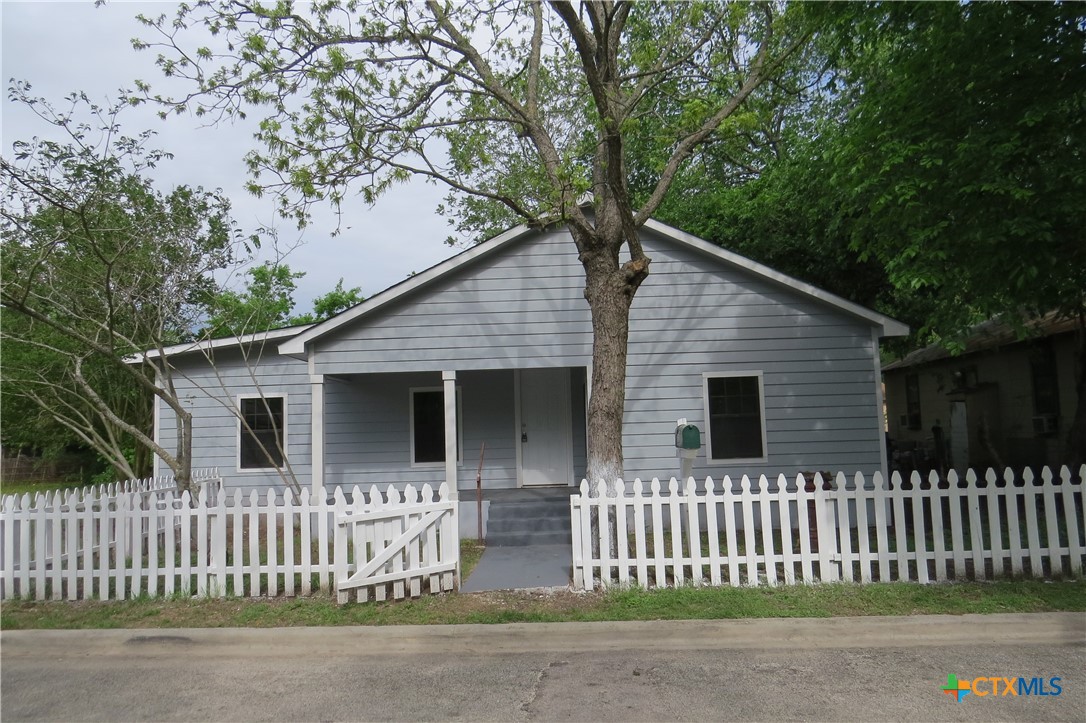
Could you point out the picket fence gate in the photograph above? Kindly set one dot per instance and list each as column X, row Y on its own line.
column 82, row 545
column 916, row 529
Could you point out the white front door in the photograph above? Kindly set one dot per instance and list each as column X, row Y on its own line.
column 546, row 433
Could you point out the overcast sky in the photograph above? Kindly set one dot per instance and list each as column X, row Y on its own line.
column 61, row 47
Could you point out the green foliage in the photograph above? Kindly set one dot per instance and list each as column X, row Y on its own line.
column 961, row 166
column 98, row 265
column 265, row 303
column 330, row 304
column 267, row 300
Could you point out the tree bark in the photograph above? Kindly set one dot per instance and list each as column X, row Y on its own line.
column 609, row 289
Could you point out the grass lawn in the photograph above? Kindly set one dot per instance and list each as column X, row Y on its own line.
column 21, row 488
column 507, row 607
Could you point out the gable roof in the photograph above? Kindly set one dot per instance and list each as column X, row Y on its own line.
column 296, row 345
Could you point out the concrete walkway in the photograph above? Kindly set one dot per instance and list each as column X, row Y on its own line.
column 516, row 568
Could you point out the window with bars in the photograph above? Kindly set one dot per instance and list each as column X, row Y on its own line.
column 262, row 433
column 734, row 417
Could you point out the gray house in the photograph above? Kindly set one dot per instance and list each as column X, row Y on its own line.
column 494, row 346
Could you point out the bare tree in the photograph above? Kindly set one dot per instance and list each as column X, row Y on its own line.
column 99, row 266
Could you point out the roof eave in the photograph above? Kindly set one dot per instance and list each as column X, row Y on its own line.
column 208, row 345
column 888, row 327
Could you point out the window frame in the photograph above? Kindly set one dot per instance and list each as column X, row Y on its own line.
column 440, row 464
column 709, row 458
column 241, row 430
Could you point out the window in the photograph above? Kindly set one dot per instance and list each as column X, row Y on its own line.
column 912, row 400
column 428, row 426
column 733, row 413
column 262, row 432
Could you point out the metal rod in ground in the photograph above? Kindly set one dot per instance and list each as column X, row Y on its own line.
column 479, row 492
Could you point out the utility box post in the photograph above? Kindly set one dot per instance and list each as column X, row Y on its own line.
column 687, row 444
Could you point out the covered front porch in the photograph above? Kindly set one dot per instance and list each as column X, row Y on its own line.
column 520, row 430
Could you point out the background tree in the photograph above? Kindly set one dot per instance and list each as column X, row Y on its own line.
column 532, row 106
column 267, row 300
column 99, row 267
column 939, row 207
column 971, row 195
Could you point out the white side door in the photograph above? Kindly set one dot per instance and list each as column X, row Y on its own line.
column 545, row 437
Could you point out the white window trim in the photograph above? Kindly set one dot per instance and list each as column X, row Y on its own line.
column 411, row 427
column 240, row 429
column 709, row 459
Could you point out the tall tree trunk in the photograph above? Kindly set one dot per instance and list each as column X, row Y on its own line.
column 610, row 287
column 610, row 307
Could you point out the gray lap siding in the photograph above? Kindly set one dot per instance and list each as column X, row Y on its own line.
column 210, row 392
column 523, row 307
column 367, row 430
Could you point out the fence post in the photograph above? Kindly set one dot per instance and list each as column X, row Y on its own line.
column 828, row 553
column 218, row 542
column 575, row 524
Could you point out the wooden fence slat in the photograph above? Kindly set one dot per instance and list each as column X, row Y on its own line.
column 621, row 539
column 1052, row 523
column 1029, row 494
column 863, row 528
column 843, row 527
column 693, row 538
column 577, row 542
column 1071, row 515
column 826, row 528
column 1014, row 527
column 920, row 542
column 658, row 561
column 728, row 495
column 995, row 524
column 804, row 505
column 976, row 533
column 787, row 549
column 640, row 551
column 712, row 527
column 746, row 501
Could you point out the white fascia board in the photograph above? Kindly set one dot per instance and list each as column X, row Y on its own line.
column 887, row 326
column 209, row 344
column 296, row 346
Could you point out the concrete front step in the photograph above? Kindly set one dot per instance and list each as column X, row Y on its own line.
column 516, row 539
column 529, row 522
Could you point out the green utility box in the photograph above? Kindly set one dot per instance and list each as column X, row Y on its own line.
column 687, row 436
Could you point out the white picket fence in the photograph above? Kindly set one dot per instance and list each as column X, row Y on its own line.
column 84, row 545
column 820, row 530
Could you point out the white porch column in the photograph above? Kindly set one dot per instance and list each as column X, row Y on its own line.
column 316, row 388
column 448, row 380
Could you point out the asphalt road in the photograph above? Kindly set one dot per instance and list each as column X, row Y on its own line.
column 837, row 669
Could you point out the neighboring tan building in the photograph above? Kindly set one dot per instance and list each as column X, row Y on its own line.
column 1001, row 402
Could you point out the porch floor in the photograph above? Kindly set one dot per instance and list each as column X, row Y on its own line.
column 516, row 568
